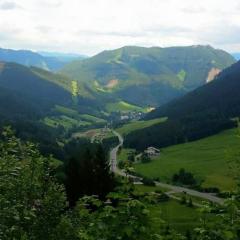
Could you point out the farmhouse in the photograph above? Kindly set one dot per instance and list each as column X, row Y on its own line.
column 152, row 151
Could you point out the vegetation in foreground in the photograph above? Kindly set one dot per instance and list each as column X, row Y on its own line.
column 34, row 204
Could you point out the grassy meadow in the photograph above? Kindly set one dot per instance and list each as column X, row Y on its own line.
column 209, row 159
column 135, row 125
column 172, row 213
column 122, row 106
column 175, row 215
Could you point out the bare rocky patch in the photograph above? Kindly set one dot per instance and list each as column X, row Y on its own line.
column 212, row 74
column 112, row 83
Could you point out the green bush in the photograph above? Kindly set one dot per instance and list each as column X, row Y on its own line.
column 148, row 182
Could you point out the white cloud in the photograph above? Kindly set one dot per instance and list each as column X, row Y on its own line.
column 90, row 26
column 8, row 5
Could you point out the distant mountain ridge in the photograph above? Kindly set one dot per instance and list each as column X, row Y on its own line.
column 149, row 76
column 64, row 57
column 28, row 58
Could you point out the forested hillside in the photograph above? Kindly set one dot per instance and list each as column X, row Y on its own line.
column 201, row 113
column 39, row 104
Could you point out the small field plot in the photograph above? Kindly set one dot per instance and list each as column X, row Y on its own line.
column 136, row 125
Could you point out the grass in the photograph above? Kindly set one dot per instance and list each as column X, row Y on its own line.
column 147, row 189
column 135, row 125
column 123, row 154
column 207, row 159
column 174, row 214
column 66, row 111
column 122, row 106
column 64, row 121
column 182, row 75
column 74, row 114
column 90, row 118
column 195, row 199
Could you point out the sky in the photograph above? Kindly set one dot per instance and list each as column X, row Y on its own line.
column 91, row 26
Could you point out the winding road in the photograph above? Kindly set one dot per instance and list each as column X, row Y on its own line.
column 113, row 155
column 174, row 189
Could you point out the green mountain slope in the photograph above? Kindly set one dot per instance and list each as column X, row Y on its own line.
column 44, row 88
column 149, row 76
column 203, row 112
column 25, row 82
column 42, row 106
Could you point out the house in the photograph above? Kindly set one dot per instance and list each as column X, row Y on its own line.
column 152, row 151
column 124, row 117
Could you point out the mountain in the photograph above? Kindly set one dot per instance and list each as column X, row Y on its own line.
column 200, row 113
column 42, row 106
column 45, row 89
column 28, row 58
column 236, row 56
column 28, row 83
column 149, row 76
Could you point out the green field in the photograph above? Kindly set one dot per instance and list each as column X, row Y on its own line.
column 122, row 106
column 75, row 115
column 172, row 213
column 177, row 216
column 135, row 125
column 147, row 189
column 64, row 121
column 123, row 154
column 208, row 159
column 70, row 118
column 90, row 118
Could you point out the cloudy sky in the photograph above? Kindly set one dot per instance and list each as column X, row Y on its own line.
column 90, row 26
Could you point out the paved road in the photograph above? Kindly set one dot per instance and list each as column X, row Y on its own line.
column 207, row 196
column 173, row 188
column 113, row 155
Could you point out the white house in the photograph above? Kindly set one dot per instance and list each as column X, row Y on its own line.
column 152, row 151
column 124, row 117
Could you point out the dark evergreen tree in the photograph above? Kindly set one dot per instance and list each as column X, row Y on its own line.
column 88, row 173
column 103, row 178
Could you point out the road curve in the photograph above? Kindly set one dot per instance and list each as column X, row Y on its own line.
column 176, row 189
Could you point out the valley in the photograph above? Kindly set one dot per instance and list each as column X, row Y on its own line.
column 151, row 132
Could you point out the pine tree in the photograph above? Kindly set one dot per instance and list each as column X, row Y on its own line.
column 88, row 173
